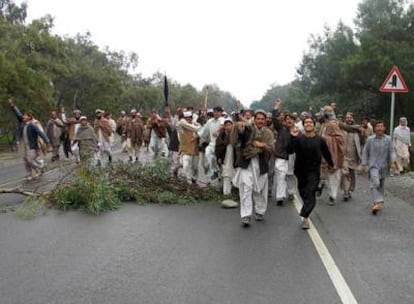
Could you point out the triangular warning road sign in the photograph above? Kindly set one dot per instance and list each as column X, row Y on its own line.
column 394, row 82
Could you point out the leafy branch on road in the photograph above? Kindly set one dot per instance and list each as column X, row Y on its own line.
column 101, row 189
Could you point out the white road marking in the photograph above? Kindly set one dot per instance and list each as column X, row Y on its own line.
column 342, row 288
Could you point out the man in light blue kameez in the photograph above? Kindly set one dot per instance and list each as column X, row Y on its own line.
column 377, row 157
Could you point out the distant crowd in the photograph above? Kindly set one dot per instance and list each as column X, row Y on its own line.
column 262, row 154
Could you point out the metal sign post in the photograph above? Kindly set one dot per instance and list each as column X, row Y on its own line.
column 392, row 113
column 394, row 83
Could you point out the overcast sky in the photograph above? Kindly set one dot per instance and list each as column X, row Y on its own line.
column 242, row 46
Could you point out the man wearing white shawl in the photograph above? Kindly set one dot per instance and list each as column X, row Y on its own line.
column 209, row 133
column 401, row 140
column 254, row 146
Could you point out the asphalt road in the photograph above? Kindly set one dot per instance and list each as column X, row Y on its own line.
column 200, row 254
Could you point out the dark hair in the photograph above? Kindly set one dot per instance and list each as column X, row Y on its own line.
column 28, row 113
column 288, row 114
column 218, row 109
column 379, row 121
column 309, row 117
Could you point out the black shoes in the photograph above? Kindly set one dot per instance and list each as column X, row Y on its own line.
column 259, row 217
column 215, row 175
column 245, row 221
column 347, row 196
column 279, row 203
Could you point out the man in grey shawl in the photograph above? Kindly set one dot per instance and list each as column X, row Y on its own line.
column 401, row 140
column 86, row 139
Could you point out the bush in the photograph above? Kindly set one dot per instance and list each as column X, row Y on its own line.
column 98, row 189
column 90, row 189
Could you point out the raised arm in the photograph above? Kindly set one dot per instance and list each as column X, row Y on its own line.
column 276, row 112
column 15, row 110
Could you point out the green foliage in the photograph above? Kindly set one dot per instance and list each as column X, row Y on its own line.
column 90, row 189
column 12, row 12
column 348, row 65
column 43, row 71
column 98, row 190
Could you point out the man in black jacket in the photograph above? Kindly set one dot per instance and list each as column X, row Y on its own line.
column 309, row 149
column 282, row 127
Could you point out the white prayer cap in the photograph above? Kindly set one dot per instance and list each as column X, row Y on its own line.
column 227, row 120
column 133, row 111
column 83, row 117
column 260, row 111
column 188, row 114
column 99, row 111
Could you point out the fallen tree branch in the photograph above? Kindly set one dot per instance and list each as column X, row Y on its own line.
column 23, row 192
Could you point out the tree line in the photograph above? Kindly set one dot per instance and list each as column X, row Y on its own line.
column 42, row 71
column 347, row 65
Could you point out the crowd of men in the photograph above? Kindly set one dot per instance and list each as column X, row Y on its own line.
column 262, row 154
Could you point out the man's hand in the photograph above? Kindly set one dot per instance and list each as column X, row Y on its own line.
column 331, row 169
column 393, row 166
column 294, row 132
column 10, row 102
column 278, row 103
column 240, row 125
column 258, row 144
column 363, row 169
column 49, row 148
column 238, row 104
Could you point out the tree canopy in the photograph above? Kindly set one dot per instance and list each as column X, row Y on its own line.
column 43, row 71
column 347, row 65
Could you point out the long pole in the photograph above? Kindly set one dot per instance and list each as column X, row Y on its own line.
column 392, row 112
column 205, row 100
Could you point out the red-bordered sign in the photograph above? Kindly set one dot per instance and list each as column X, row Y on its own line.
column 394, row 82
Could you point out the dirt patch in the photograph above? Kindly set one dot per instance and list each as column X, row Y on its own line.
column 402, row 186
